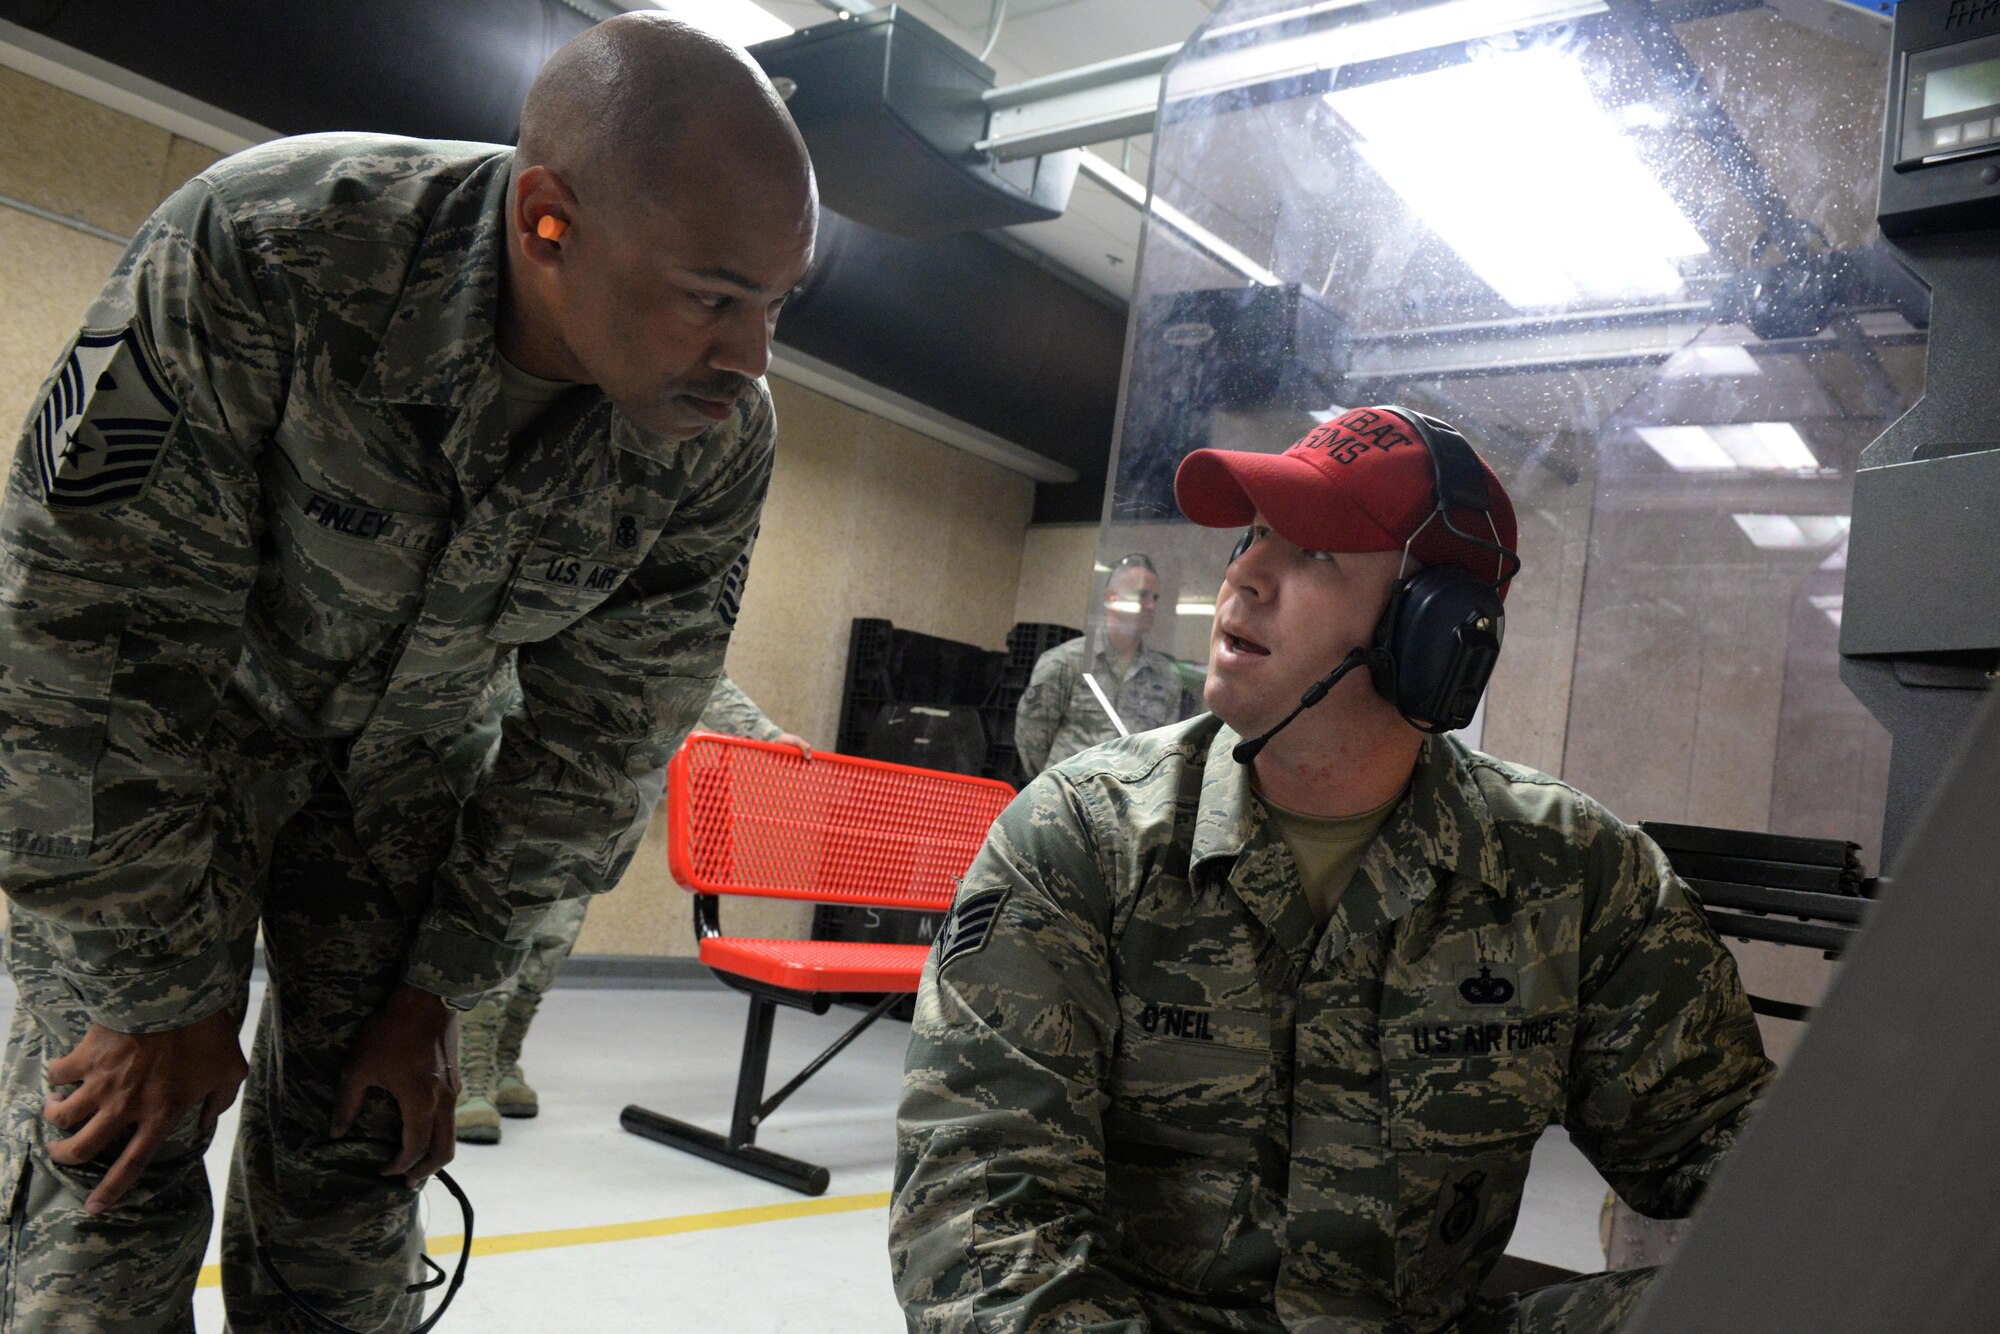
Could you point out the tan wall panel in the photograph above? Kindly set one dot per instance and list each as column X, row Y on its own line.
column 185, row 158
column 867, row 518
column 1055, row 574
column 49, row 275
column 72, row 156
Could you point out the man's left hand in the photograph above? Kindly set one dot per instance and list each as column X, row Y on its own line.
column 409, row 1050
column 787, row 739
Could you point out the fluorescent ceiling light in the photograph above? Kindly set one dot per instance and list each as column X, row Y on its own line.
column 1737, row 447
column 1792, row 532
column 1129, row 605
column 1196, row 235
column 735, row 21
column 1514, row 165
column 1711, row 359
column 1828, row 603
column 1224, row 60
column 1226, row 56
column 1194, row 609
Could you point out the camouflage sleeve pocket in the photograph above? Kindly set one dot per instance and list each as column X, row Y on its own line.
column 551, row 590
column 54, row 696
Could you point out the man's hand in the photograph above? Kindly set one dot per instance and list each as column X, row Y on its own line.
column 144, row 1083
column 409, row 1050
column 787, row 739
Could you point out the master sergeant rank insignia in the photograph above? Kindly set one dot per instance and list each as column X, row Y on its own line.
column 102, row 428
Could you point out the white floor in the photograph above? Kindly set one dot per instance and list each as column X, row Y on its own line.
column 593, row 1052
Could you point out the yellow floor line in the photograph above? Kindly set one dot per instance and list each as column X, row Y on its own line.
column 508, row 1243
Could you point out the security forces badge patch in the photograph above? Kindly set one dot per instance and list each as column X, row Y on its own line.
column 103, row 426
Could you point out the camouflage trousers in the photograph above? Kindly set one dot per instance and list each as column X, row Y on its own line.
column 550, row 945
column 336, row 932
column 1594, row 1304
column 506, row 1013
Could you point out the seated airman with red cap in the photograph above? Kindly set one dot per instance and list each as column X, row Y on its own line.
column 1251, row 1023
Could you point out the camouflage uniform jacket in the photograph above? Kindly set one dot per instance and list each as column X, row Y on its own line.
column 1144, row 1092
column 1058, row 716
column 734, row 713
column 271, row 490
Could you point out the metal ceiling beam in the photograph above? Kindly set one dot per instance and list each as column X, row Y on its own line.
column 1119, row 98
column 1090, row 105
column 1636, row 337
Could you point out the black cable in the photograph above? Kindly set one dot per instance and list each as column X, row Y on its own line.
column 1246, row 751
column 457, row 1278
column 1442, row 497
column 1445, row 513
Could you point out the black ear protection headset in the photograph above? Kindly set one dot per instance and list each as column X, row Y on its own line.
column 1433, row 651
column 1439, row 637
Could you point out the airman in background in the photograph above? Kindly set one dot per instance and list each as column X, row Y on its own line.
column 495, row 1029
column 1058, row 714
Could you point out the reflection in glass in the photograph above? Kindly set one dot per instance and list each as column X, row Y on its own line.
column 1633, row 258
column 1454, row 141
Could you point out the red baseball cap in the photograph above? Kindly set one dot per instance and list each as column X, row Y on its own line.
column 1362, row 482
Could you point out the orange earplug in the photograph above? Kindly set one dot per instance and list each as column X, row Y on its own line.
column 551, row 228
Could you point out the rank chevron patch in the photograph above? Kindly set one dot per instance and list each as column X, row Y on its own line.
column 970, row 923
column 103, row 426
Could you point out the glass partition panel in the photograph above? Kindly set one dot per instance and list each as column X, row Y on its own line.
column 1629, row 250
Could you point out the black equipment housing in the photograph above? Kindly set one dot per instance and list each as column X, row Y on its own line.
column 1919, row 640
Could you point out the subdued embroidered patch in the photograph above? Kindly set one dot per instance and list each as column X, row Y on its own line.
column 969, row 926
column 729, row 602
column 103, row 426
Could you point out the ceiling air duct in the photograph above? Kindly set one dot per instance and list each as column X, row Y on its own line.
column 891, row 111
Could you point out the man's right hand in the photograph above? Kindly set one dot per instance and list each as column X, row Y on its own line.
column 142, row 1083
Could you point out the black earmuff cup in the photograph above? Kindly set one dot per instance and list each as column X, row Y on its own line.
column 1436, row 647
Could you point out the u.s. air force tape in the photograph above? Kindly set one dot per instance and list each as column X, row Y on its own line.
column 970, row 923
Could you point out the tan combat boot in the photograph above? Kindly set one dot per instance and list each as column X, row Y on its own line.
column 477, row 1118
column 513, row 1096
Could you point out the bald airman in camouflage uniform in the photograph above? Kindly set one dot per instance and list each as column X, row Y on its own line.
column 495, row 1029
column 274, row 541
column 1156, row 1084
column 1058, row 714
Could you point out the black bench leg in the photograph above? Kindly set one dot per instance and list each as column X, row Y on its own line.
column 750, row 1074
column 739, row 1150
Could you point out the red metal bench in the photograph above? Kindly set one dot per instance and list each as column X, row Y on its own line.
column 756, row 817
